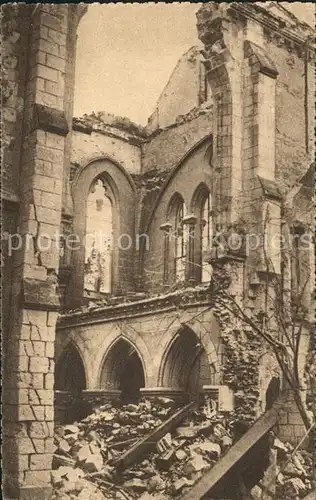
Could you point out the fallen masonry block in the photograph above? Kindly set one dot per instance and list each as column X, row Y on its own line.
column 188, row 432
column 226, row 442
column 57, row 477
column 164, row 443
column 93, row 463
column 71, row 429
column 63, row 446
column 181, row 483
column 293, row 487
column 135, row 484
column 71, row 438
column 83, row 453
column 181, row 455
column 156, row 483
column 209, row 448
column 196, row 464
column 60, row 460
column 164, row 461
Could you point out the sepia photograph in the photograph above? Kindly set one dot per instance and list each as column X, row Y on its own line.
column 158, row 251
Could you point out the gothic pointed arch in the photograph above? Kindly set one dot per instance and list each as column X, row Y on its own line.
column 201, row 207
column 185, row 365
column 122, row 370
column 70, row 370
column 107, row 190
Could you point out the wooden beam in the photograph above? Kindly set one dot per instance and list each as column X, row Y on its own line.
column 147, row 444
column 233, row 456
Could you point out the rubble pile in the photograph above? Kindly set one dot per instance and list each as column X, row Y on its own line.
column 84, row 460
column 181, row 458
column 294, row 472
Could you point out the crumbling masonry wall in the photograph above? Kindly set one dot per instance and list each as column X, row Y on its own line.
column 28, row 417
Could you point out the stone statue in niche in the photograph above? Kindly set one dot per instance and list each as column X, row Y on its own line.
column 98, row 251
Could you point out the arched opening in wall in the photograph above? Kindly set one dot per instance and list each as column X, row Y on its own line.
column 202, row 209
column 176, row 243
column 123, row 371
column 186, row 366
column 70, row 381
column 272, row 392
column 98, row 238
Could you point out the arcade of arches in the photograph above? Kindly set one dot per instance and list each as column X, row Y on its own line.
column 178, row 363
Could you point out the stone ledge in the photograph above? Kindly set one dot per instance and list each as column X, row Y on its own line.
column 49, row 119
column 39, row 295
column 152, row 393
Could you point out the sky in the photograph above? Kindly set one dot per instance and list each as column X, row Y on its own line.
column 127, row 52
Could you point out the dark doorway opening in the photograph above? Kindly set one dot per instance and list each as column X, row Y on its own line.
column 123, row 371
column 70, row 381
column 187, row 366
column 272, row 392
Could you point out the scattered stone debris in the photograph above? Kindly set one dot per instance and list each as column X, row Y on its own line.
column 294, row 472
column 86, row 451
column 86, row 454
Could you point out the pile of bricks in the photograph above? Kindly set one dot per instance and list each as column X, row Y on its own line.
column 87, row 452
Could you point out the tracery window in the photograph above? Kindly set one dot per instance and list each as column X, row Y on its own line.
column 206, row 236
column 181, row 241
column 98, row 238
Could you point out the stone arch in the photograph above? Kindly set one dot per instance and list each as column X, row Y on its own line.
column 94, row 160
column 185, row 365
column 123, row 370
column 70, row 370
column 200, row 194
column 201, row 336
column 173, row 173
column 201, row 208
column 123, row 190
column 175, row 201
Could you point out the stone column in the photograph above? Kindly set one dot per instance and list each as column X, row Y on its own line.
column 192, row 264
column 166, row 228
column 28, row 412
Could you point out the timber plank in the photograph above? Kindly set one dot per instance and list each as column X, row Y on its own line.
column 147, row 444
column 233, row 456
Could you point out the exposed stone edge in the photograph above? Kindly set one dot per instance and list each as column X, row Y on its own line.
column 267, row 66
column 50, row 120
column 130, row 309
column 39, row 295
column 270, row 188
column 271, row 21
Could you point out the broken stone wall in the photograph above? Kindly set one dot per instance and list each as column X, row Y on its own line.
column 29, row 356
column 185, row 90
column 186, row 179
column 166, row 148
column 15, row 37
column 295, row 100
column 92, row 142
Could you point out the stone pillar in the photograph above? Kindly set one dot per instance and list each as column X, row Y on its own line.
column 28, row 412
